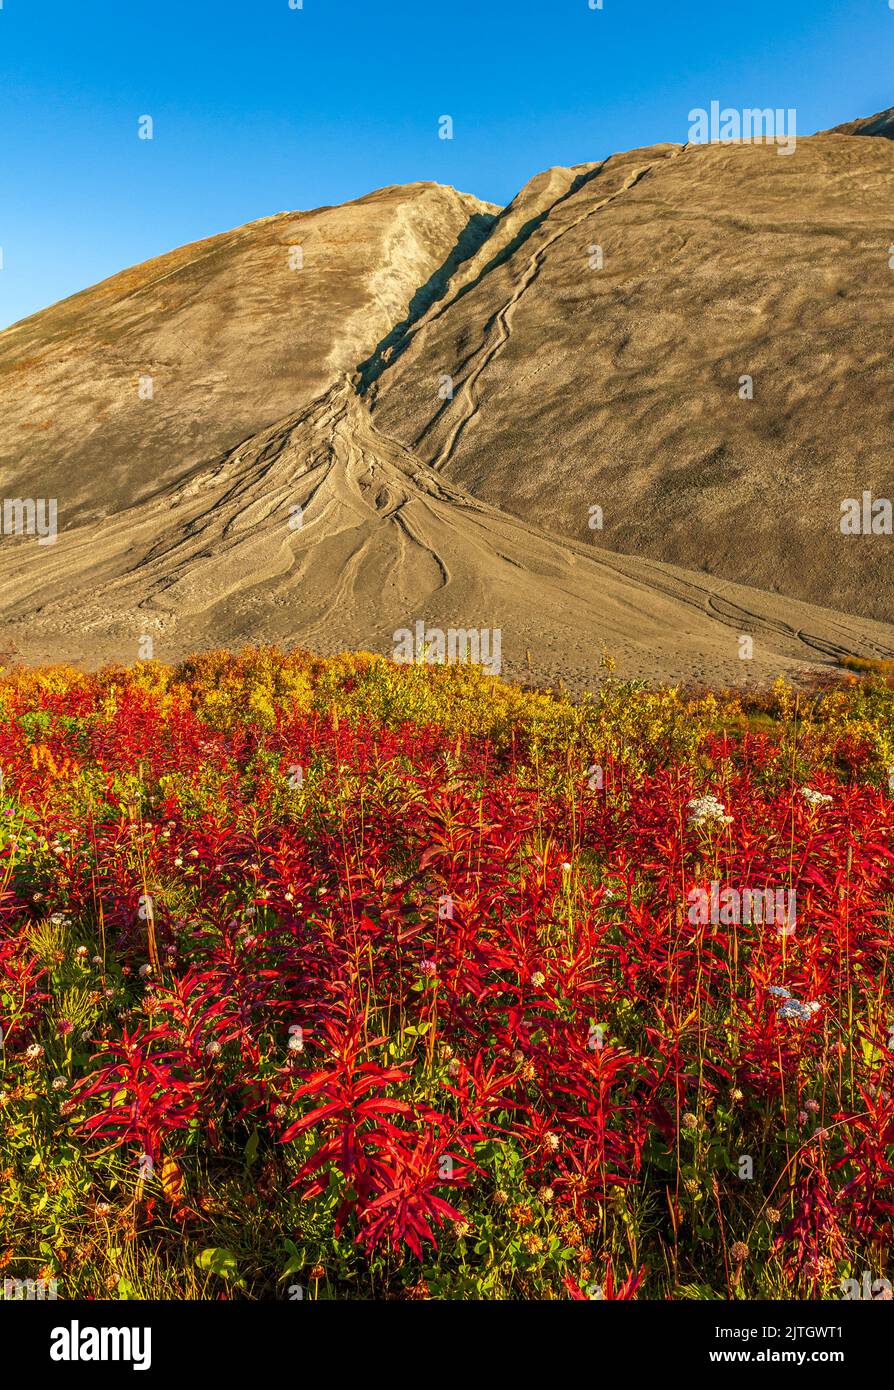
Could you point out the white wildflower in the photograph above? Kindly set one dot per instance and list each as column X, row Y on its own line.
column 707, row 808
column 795, row 1009
column 815, row 798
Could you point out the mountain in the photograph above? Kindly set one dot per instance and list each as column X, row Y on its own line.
column 882, row 123
column 626, row 387
column 411, row 409
column 231, row 335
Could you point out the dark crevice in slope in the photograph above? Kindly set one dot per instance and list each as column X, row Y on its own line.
column 478, row 230
column 527, row 231
column 473, row 235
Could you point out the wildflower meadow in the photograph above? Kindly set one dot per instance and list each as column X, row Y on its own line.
column 332, row 978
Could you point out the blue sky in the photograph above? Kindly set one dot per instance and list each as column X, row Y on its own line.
column 259, row 108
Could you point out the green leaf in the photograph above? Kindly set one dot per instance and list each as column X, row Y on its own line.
column 218, row 1260
column 296, row 1261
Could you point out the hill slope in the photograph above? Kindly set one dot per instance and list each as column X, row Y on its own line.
column 441, row 393
column 882, row 123
column 385, row 541
column 232, row 336
column 623, row 386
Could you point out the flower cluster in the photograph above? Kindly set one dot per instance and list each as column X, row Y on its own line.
column 707, row 809
column 815, row 798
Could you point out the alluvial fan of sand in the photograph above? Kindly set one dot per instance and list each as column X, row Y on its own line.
column 296, row 476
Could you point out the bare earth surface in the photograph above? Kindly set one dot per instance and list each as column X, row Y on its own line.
column 620, row 387
column 232, row 337
column 296, row 476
